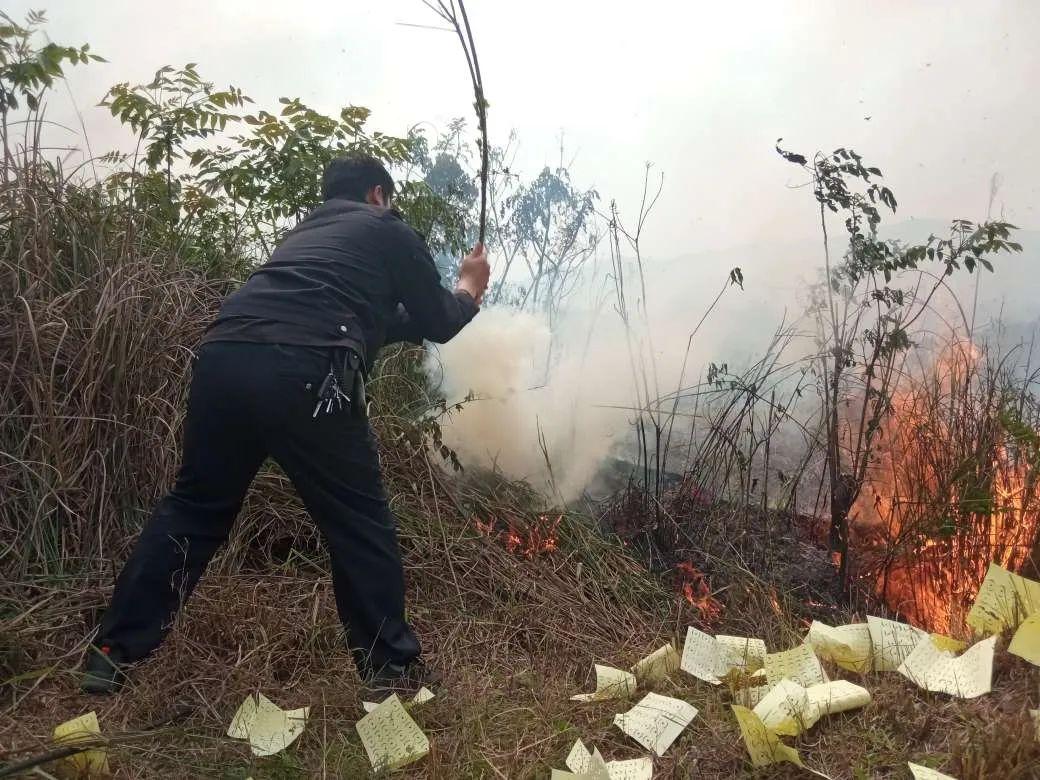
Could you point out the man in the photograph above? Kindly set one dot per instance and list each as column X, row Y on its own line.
column 280, row 373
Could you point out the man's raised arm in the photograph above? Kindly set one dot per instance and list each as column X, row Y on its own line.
column 433, row 312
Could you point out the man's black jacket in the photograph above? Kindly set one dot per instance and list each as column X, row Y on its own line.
column 337, row 281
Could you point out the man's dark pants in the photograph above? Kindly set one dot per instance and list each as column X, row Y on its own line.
column 248, row 402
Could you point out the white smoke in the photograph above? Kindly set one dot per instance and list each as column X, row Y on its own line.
column 552, row 404
column 540, row 403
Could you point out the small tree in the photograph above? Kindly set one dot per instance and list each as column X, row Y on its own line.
column 175, row 107
column 865, row 310
column 553, row 224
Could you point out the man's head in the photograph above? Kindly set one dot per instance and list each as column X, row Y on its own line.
column 358, row 177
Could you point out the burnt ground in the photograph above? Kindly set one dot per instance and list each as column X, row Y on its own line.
column 728, row 545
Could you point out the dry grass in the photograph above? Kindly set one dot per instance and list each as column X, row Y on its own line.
column 510, row 663
column 95, row 332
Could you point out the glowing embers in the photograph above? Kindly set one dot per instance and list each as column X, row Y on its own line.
column 525, row 538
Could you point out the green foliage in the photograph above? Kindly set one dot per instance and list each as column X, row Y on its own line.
column 275, row 170
column 27, row 70
column 225, row 199
column 174, row 107
column 835, row 177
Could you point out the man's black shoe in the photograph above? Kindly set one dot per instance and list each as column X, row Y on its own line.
column 402, row 680
column 101, row 672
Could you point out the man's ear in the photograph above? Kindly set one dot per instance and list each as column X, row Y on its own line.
column 376, row 196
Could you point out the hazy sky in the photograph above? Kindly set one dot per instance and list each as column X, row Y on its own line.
column 701, row 89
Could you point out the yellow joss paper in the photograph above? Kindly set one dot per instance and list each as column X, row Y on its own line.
column 924, row 773
column 591, row 766
column 703, row 657
column 390, row 736
column 847, row 646
column 830, row 698
column 742, row 652
column 1026, row 641
column 268, row 727
column 658, row 665
column 710, row 658
column 423, row 695
column 763, row 745
column 1004, row 601
column 784, row 710
column 611, row 683
column 789, row 709
column 753, row 688
column 799, row 664
column 966, row 676
column 892, row 642
column 656, row 721
column 949, row 644
column 82, row 729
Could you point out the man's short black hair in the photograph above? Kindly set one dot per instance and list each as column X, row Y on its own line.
column 352, row 176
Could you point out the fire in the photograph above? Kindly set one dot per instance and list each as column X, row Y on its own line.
column 694, row 587
column 774, row 602
column 527, row 539
column 944, row 496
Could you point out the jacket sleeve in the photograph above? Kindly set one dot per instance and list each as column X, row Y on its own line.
column 432, row 312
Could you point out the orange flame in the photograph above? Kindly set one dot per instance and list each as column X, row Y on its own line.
column 943, row 497
column 694, row 587
column 537, row 538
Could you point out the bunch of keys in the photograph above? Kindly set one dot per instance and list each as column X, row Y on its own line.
column 330, row 393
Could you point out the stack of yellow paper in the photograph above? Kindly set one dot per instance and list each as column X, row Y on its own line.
column 611, row 683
